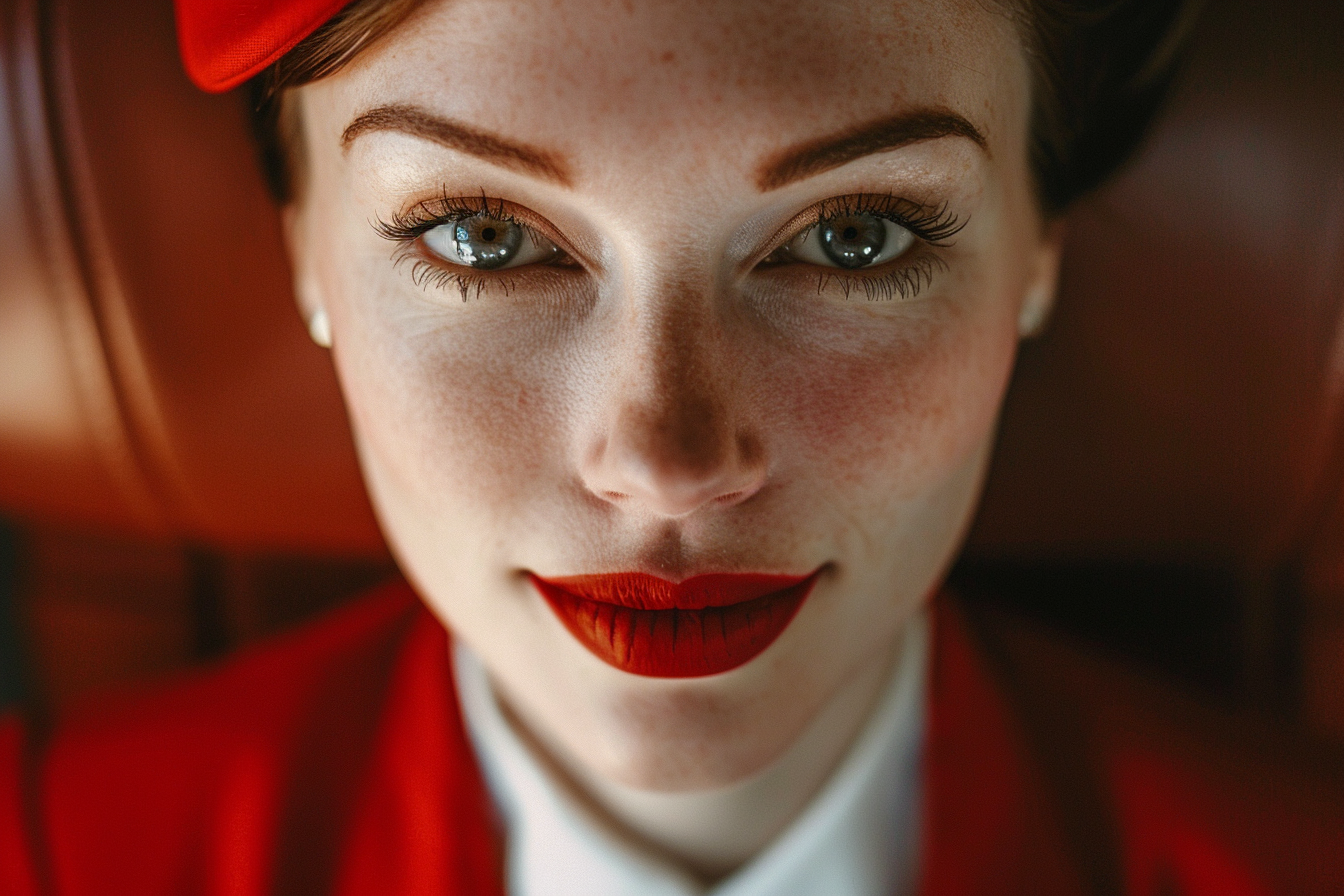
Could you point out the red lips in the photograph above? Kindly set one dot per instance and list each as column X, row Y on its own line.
column 649, row 626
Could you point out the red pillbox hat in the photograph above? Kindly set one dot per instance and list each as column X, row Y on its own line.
column 225, row 42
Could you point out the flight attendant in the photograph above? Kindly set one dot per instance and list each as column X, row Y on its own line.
column 673, row 337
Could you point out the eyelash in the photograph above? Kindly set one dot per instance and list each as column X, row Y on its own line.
column 902, row 278
column 903, row 282
column 935, row 225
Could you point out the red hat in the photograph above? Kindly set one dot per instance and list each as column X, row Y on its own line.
column 225, row 42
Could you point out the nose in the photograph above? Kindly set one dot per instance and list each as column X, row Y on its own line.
column 670, row 437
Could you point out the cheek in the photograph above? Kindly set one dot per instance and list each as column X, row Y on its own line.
column 452, row 418
column 458, row 425
column 904, row 408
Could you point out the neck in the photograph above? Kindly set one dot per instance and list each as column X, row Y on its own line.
column 712, row 833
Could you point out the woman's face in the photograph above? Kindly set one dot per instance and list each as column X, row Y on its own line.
column 676, row 289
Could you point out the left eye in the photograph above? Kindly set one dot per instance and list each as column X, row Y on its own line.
column 488, row 243
column 850, row 241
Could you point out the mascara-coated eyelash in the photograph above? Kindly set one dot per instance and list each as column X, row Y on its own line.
column 934, row 225
column 427, row 214
column 896, row 282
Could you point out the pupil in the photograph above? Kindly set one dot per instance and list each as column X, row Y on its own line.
column 852, row 241
column 485, row 242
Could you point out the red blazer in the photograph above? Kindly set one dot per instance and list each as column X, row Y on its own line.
column 333, row 761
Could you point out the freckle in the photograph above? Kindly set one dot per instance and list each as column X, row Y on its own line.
column 668, row 56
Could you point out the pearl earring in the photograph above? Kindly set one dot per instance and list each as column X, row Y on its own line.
column 319, row 328
column 1031, row 319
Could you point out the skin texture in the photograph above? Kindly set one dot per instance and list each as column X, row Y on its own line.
column 665, row 403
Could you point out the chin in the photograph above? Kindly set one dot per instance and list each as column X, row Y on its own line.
column 689, row 738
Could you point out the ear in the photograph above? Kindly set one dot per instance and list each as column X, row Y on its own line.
column 1043, row 281
column 307, row 290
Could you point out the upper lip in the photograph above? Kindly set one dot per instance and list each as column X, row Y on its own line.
column 641, row 591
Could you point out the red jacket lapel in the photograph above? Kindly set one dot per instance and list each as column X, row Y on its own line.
column 423, row 823
column 988, row 825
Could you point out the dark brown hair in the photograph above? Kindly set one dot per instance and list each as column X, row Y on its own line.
column 324, row 52
column 1100, row 69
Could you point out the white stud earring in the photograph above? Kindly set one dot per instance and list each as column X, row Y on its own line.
column 319, row 328
column 1031, row 319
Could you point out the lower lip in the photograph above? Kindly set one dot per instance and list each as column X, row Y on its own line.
column 703, row 626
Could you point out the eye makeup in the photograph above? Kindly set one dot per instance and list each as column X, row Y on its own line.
column 882, row 246
column 926, row 228
column 415, row 231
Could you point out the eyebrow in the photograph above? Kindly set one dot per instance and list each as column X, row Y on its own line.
column 455, row 135
column 824, row 153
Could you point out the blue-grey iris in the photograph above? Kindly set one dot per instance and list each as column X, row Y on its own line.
column 853, row 241
column 485, row 242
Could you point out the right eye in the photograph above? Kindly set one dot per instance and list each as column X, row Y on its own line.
column 488, row 243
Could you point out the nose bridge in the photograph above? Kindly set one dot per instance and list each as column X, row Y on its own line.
column 673, row 436
column 669, row 364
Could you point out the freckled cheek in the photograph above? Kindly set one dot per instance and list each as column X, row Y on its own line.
column 456, row 421
column 903, row 414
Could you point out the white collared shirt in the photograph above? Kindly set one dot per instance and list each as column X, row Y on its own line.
column 857, row 837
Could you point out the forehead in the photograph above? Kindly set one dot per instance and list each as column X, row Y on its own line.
column 691, row 75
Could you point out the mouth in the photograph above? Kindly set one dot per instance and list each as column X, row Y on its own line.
column 649, row 626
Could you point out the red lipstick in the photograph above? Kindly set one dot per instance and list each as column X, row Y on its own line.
column 649, row 626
